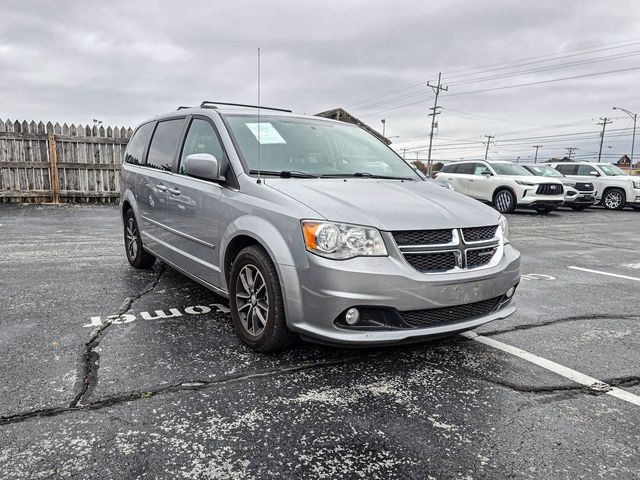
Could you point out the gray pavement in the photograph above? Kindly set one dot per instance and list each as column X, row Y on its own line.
column 181, row 397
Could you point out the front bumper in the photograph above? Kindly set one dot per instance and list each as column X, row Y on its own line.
column 316, row 297
column 583, row 198
column 530, row 199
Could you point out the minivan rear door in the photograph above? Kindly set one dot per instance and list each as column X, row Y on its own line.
column 193, row 206
column 153, row 183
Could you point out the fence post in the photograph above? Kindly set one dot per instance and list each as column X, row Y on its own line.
column 53, row 160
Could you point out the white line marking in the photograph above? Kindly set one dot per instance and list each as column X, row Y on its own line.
column 589, row 382
column 605, row 273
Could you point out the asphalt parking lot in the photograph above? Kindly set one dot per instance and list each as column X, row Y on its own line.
column 82, row 396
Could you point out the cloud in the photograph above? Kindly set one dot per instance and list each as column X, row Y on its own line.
column 124, row 61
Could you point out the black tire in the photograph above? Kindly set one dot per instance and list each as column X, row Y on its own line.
column 504, row 201
column 545, row 209
column 257, row 306
column 578, row 208
column 136, row 254
column 614, row 199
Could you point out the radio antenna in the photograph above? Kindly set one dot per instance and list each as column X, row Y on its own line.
column 259, row 125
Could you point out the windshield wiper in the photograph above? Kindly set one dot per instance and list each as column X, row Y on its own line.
column 284, row 173
column 365, row 174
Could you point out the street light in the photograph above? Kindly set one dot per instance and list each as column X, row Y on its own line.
column 634, row 116
column 384, row 124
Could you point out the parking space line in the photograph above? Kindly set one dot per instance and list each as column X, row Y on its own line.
column 599, row 272
column 566, row 372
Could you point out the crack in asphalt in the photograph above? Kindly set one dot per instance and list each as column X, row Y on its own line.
column 546, row 323
column 192, row 385
column 88, row 378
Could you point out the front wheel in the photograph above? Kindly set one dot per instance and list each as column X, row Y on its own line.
column 257, row 306
column 136, row 255
column 613, row 199
column 504, row 201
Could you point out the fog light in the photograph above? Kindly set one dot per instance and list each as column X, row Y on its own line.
column 510, row 292
column 352, row 316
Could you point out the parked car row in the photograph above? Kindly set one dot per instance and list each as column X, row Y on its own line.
column 543, row 187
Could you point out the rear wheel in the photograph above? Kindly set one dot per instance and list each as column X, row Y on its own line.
column 613, row 199
column 504, row 201
column 257, row 306
column 136, row 255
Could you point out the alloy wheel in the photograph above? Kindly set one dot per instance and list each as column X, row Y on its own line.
column 613, row 200
column 252, row 300
column 132, row 239
column 503, row 201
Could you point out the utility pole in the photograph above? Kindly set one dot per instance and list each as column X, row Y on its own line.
column 434, row 112
column 384, row 126
column 570, row 151
column 404, row 153
column 633, row 138
column 537, row 147
column 488, row 137
column 605, row 121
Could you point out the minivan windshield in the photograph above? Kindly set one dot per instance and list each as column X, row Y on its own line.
column 611, row 170
column 304, row 147
column 510, row 169
column 544, row 171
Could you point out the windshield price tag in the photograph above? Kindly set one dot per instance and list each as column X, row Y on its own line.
column 265, row 133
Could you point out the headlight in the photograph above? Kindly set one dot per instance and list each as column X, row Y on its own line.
column 525, row 184
column 504, row 226
column 341, row 241
column 636, row 184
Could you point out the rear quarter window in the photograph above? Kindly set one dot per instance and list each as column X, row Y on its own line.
column 138, row 144
column 567, row 169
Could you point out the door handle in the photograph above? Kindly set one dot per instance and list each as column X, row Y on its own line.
column 162, row 188
column 174, row 191
column 449, row 178
column 471, row 180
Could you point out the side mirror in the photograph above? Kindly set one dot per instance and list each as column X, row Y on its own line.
column 593, row 173
column 487, row 174
column 202, row 165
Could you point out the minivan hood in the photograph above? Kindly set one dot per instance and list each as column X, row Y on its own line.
column 387, row 204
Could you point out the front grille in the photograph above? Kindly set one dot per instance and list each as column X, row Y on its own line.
column 584, row 187
column 549, row 189
column 458, row 313
column 422, row 237
column 479, row 233
column 432, row 262
column 480, row 257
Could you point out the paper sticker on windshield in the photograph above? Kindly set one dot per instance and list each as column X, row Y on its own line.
column 265, row 133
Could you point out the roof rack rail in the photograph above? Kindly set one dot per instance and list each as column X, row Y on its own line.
column 208, row 104
column 182, row 107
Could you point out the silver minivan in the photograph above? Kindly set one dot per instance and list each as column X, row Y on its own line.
column 311, row 227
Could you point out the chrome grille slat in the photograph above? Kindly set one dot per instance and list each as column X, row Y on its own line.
column 441, row 251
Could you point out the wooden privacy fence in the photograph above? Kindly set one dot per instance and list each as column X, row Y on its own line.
column 53, row 163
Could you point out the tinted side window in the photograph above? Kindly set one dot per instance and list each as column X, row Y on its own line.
column 449, row 168
column 137, row 144
column 164, row 144
column 202, row 138
column 568, row 169
column 466, row 168
column 585, row 169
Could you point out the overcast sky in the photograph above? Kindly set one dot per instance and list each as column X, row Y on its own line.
column 121, row 62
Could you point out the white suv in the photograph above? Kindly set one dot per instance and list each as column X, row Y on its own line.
column 615, row 188
column 505, row 185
